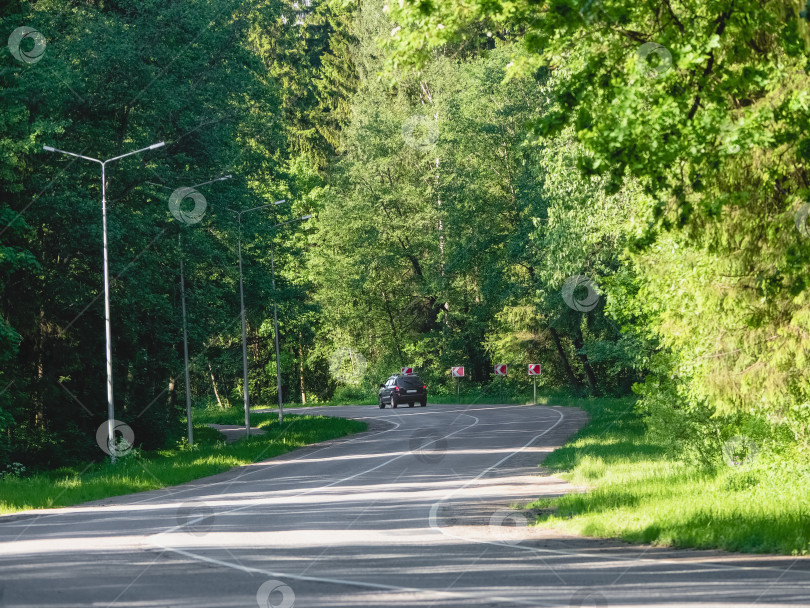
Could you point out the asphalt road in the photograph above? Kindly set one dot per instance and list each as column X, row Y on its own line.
column 415, row 512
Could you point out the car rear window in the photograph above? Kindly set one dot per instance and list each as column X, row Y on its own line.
column 410, row 382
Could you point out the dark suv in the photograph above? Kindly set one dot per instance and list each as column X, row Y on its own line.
column 401, row 389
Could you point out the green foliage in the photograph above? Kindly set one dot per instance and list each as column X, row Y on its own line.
column 693, row 117
column 640, row 491
column 475, row 172
column 113, row 80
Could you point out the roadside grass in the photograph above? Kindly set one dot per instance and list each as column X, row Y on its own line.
column 638, row 492
column 508, row 396
column 138, row 472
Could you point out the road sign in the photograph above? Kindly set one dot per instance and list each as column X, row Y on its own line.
column 500, row 369
column 408, row 371
column 534, row 369
column 458, row 372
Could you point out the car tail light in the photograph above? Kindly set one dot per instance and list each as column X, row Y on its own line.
column 424, row 386
column 396, row 388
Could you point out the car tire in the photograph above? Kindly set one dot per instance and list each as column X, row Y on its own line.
column 393, row 402
column 424, row 404
column 382, row 405
column 411, row 404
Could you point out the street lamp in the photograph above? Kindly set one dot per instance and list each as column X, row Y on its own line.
column 183, row 307
column 242, row 302
column 275, row 318
column 108, row 331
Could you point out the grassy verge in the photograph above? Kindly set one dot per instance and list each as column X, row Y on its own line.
column 511, row 397
column 137, row 472
column 640, row 493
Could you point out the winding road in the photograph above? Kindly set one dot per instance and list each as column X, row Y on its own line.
column 414, row 512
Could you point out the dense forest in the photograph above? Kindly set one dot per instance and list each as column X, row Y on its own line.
column 616, row 190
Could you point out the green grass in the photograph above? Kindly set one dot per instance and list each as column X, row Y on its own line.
column 494, row 394
column 149, row 471
column 639, row 493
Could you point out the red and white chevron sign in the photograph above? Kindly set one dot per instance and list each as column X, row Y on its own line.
column 500, row 369
column 408, row 371
column 534, row 369
column 458, row 372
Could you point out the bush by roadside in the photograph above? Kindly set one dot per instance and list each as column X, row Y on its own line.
column 756, row 497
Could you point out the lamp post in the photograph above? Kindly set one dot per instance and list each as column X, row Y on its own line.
column 275, row 318
column 108, row 331
column 183, row 307
column 242, row 304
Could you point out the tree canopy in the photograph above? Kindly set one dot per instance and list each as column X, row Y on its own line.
column 616, row 190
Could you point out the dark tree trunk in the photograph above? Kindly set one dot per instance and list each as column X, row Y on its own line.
column 586, row 365
column 572, row 379
column 393, row 329
column 301, row 368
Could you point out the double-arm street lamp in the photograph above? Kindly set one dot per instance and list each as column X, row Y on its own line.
column 183, row 307
column 103, row 163
column 275, row 313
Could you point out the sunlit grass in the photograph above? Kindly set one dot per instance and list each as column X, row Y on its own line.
column 640, row 494
column 154, row 470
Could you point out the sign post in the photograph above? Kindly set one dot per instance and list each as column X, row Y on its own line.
column 458, row 372
column 534, row 371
